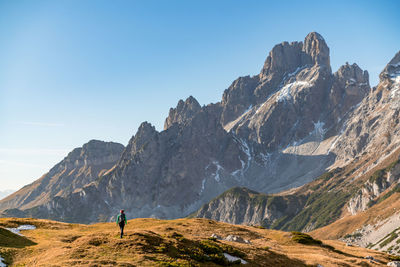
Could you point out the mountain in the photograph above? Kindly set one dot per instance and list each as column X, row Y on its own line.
column 80, row 167
column 361, row 188
column 316, row 204
column 274, row 131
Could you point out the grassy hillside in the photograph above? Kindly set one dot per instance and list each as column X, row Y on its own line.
column 349, row 224
column 182, row 242
column 328, row 195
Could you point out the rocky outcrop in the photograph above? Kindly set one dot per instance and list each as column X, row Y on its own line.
column 182, row 112
column 374, row 122
column 392, row 69
column 379, row 182
column 350, row 86
column 243, row 206
column 238, row 98
column 316, row 47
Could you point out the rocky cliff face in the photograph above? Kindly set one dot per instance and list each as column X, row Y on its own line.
column 243, row 206
column 163, row 174
column 379, row 182
column 273, row 131
column 373, row 124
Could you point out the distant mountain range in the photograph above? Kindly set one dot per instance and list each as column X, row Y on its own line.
column 295, row 147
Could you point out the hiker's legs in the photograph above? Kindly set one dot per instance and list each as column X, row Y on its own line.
column 121, row 225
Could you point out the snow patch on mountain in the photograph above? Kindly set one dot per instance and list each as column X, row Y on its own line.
column 319, row 129
column 219, row 167
column 285, row 93
column 294, row 73
column 203, row 183
column 21, row 228
column 228, row 127
column 259, row 109
column 396, row 64
column 395, row 78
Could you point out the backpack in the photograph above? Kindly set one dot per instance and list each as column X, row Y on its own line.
column 121, row 218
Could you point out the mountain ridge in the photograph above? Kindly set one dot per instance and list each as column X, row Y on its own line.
column 270, row 132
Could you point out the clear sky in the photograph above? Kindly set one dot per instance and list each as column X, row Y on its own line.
column 73, row 70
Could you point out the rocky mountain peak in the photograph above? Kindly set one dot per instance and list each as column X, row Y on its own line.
column 284, row 57
column 80, row 167
column 352, row 77
column 392, row 70
column 183, row 111
column 144, row 132
column 350, row 86
column 93, row 152
column 352, row 70
column 238, row 97
column 145, row 128
column 316, row 47
column 97, row 147
column 287, row 59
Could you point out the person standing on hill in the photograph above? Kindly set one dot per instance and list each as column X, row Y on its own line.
column 121, row 221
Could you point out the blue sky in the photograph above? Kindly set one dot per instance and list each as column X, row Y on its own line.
column 71, row 71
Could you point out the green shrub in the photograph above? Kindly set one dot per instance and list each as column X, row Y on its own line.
column 205, row 251
column 392, row 237
column 355, row 235
column 394, row 258
column 305, row 239
column 210, row 247
column 377, row 176
column 174, row 264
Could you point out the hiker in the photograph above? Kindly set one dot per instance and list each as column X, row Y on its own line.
column 121, row 221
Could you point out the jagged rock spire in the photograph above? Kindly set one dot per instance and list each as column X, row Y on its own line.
column 315, row 46
column 286, row 57
column 183, row 111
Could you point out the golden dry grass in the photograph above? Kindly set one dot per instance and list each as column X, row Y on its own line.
column 152, row 242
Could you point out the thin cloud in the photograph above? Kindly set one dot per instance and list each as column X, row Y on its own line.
column 41, row 124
